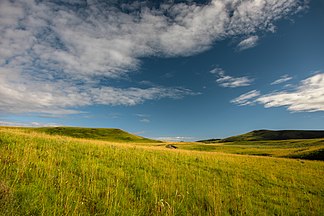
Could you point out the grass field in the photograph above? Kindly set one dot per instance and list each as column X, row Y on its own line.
column 43, row 174
column 311, row 149
column 106, row 134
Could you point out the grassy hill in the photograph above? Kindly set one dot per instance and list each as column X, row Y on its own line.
column 310, row 149
column 106, row 134
column 42, row 174
column 259, row 135
column 300, row 144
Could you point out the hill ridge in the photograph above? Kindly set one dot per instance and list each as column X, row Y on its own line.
column 105, row 134
column 265, row 134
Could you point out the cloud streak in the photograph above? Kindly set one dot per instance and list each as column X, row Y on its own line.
column 308, row 96
column 53, row 54
column 248, row 43
column 246, row 99
column 282, row 79
column 229, row 81
column 22, row 95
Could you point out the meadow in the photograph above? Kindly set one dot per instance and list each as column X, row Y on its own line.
column 311, row 149
column 48, row 174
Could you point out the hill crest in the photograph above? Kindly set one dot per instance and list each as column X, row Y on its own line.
column 259, row 135
column 105, row 134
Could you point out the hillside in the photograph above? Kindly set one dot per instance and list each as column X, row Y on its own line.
column 259, row 135
column 310, row 149
column 42, row 174
column 105, row 134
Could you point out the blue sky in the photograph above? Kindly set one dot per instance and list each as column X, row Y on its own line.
column 180, row 70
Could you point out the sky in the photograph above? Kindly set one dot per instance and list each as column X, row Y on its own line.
column 171, row 70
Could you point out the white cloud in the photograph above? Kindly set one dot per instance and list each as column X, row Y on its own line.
column 246, row 99
column 27, row 124
column 175, row 138
column 248, row 43
column 308, row 96
column 217, row 71
column 21, row 94
column 229, row 81
column 49, row 47
column 145, row 120
column 282, row 79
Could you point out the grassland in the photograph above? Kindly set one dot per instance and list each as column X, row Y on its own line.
column 311, row 149
column 261, row 135
column 106, row 134
column 43, row 174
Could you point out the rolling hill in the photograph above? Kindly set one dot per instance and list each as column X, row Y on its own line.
column 105, row 134
column 261, row 135
column 42, row 174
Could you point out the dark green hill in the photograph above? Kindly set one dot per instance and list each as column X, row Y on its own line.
column 259, row 135
column 106, row 134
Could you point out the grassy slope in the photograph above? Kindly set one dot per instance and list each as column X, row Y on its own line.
column 56, row 175
column 259, row 135
column 312, row 149
column 106, row 134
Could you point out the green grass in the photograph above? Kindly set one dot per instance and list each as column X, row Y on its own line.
column 259, row 135
column 311, row 149
column 106, row 134
column 43, row 174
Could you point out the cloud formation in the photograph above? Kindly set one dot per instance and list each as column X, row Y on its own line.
column 308, row 96
column 248, row 43
column 229, row 81
column 18, row 95
column 27, row 124
column 53, row 54
column 176, row 138
column 144, row 118
column 246, row 99
column 282, row 79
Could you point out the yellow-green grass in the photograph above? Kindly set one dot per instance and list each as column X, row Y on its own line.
column 106, row 134
column 43, row 174
column 312, row 149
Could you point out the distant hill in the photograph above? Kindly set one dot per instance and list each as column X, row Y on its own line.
column 209, row 141
column 259, row 135
column 106, row 134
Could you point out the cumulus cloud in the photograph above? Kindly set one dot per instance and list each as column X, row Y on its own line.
column 246, row 99
column 248, row 43
column 56, row 52
column 308, row 96
column 229, row 81
column 282, row 79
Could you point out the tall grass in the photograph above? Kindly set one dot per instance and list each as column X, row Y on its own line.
column 52, row 175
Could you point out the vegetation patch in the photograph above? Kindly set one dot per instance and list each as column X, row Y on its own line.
column 58, row 175
column 106, row 134
column 259, row 135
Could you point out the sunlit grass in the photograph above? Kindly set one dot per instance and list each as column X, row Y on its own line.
column 312, row 149
column 42, row 174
